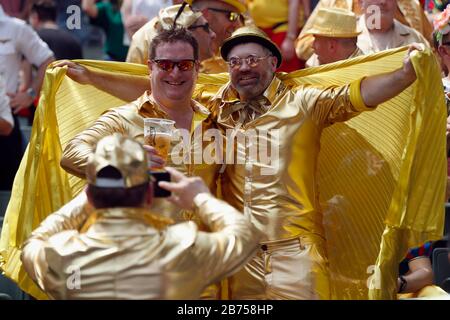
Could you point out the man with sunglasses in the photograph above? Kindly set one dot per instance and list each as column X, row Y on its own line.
column 173, row 64
column 291, row 262
column 223, row 16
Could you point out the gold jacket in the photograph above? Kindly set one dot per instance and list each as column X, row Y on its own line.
column 129, row 120
column 129, row 253
column 284, row 203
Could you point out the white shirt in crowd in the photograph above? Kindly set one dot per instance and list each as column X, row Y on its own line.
column 5, row 110
column 17, row 39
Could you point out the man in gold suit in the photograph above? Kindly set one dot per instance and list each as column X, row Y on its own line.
column 173, row 64
column 126, row 251
column 407, row 12
column 282, row 196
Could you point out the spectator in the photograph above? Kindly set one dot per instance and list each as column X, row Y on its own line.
column 193, row 21
column 223, row 16
column 18, row 40
column 388, row 33
column 107, row 16
column 282, row 21
column 335, row 35
column 6, row 118
column 136, row 13
column 43, row 20
column 128, row 252
column 407, row 12
column 416, row 275
column 66, row 19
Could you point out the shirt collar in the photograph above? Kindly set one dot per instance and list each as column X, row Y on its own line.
column 146, row 104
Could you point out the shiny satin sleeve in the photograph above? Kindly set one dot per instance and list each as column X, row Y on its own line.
column 75, row 154
column 334, row 104
column 70, row 217
column 231, row 244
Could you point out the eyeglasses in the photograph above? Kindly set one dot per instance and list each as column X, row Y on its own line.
column 169, row 65
column 204, row 26
column 231, row 15
column 252, row 61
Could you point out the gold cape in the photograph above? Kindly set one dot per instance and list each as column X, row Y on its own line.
column 382, row 175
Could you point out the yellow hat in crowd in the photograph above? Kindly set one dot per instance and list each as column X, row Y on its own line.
column 123, row 155
column 334, row 23
column 187, row 17
column 248, row 34
column 238, row 4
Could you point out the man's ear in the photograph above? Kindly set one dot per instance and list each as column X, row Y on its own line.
column 274, row 62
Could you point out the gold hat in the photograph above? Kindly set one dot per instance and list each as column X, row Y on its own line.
column 187, row 17
column 334, row 23
column 123, row 154
column 248, row 34
column 238, row 4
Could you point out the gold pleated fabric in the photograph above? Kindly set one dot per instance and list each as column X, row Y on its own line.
column 382, row 174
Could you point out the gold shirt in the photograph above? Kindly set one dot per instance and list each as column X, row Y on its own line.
column 129, row 120
column 284, row 202
column 123, row 255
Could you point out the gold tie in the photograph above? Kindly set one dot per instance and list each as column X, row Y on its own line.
column 246, row 111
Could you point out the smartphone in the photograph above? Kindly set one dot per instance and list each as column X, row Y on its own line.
column 159, row 192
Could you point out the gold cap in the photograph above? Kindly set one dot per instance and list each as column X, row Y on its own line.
column 334, row 23
column 248, row 34
column 125, row 155
column 187, row 17
column 238, row 4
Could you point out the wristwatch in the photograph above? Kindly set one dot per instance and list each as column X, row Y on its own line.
column 30, row 91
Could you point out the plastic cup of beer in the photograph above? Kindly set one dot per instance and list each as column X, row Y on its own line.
column 158, row 134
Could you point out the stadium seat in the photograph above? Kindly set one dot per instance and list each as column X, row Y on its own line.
column 441, row 268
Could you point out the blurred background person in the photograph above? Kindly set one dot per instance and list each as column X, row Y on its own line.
column 416, row 274
column 335, row 35
column 389, row 33
column 282, row 21
column 43, row 19
column 107, row 16
column 407, row 12
column 223, row 17
column 18, row 40
column 193, row 21
column 136, row 13
column 6, row 118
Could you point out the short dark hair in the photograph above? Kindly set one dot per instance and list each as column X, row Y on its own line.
column 173, row 35
column 116, row 197
column 45, row 10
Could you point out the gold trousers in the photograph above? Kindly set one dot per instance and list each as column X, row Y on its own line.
column 295, row 268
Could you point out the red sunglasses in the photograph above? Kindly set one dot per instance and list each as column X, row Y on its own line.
column 169, row 65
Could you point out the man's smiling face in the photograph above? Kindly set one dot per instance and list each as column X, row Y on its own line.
column 174, row 85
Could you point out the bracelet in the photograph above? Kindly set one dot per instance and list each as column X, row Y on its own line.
column 402, row 284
